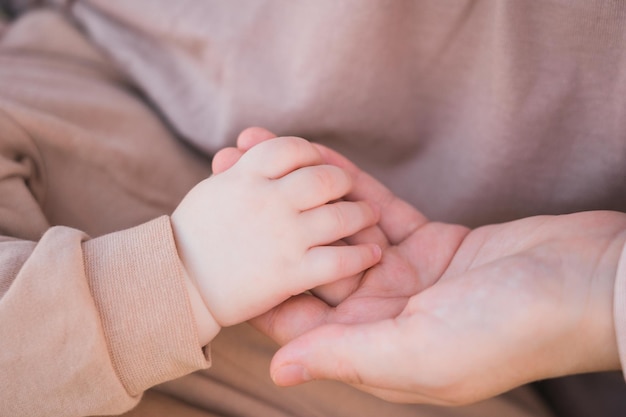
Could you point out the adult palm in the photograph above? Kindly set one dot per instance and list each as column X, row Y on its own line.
column 518, row 302
column 453, row 316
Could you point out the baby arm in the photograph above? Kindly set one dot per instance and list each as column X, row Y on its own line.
column 260, row 232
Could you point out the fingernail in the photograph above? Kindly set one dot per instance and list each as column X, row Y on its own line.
column 291, row 374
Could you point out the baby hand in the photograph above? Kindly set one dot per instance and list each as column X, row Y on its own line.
column 260, row 232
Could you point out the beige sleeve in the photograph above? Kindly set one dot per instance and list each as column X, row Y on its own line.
column 86, row 324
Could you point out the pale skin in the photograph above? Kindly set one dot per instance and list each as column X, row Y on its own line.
column 261, row 232
column 452, row 315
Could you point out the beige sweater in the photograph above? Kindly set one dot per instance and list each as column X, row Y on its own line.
column 476, row 112
column 80, row 154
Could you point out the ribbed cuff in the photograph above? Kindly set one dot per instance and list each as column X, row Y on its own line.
column 138, row 286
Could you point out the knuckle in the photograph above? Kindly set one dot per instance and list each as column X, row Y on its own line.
column 347, row 373
column 341, row 179
column 295, row 145
column 324, row 178
column 340, row 263
column 324, row 181
column 340, row 220
column 365, row 213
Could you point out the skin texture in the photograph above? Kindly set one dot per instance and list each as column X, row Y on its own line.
column 451, row 315
column 267, row 223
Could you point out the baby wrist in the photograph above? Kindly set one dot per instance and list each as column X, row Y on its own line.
column 207, row 326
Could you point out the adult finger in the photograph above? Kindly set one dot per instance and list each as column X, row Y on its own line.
column 336, row 292
column 398, row 219
column 303, row 313
column 292, row 318
column 361, row 354
column 373, row 234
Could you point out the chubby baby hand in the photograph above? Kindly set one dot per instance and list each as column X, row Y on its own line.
column 262, row 231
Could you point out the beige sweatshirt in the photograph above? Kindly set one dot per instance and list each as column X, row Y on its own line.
column 475, row 112
column 81, row 155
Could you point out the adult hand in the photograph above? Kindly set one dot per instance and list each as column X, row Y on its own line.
column 519, row 302
column 451, row 316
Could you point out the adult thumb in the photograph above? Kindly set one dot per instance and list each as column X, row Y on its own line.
column 352, row 353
